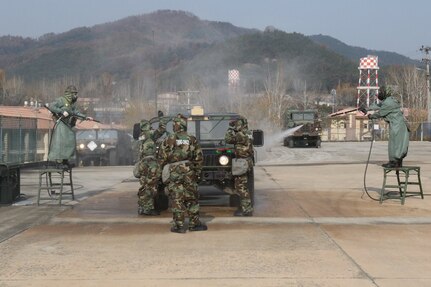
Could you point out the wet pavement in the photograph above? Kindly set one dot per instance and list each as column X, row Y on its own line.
column 313, row 226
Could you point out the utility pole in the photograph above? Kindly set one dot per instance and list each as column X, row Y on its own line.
column 426, row 50
column 333, row 93
column 155, row 75
column 189, row 94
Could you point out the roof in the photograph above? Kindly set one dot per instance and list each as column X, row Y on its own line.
column 90, row 125
column 44, row 114
column 347, row 111
column 25, row 112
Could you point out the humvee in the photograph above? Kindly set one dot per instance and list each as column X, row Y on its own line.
column 103, row 147
column 210, row 130
column 308, row 135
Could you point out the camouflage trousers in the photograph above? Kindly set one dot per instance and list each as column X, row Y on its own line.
column 149, row 181
column 184, row 198
column 242, row 190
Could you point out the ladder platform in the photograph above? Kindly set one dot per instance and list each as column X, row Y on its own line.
column 403, row 180
column 52, row 179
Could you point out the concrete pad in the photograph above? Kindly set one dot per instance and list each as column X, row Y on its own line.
column 313, row 226
column 117, row 252
column 393, row 255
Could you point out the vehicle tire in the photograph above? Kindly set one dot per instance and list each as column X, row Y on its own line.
column 291, row 143
column 250, row 186
column 77, row 161
column 234, row 200
column 113, row 160
column 161, row 201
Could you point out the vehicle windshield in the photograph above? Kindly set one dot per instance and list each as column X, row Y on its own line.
column 212, row 129
column 96, row 134
column 303, row 116
column 107, row 134
column 86, row 135
column 208, row 129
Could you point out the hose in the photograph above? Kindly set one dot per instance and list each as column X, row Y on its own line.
column 366, row 166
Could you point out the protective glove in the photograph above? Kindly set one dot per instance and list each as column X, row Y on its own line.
column 160, row 114
column 369, row 116
column 65, row 114
column 363, row 110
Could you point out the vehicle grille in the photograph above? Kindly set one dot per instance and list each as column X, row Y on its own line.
column 210, row 158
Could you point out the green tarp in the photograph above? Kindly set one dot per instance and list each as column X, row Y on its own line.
column 63, row 142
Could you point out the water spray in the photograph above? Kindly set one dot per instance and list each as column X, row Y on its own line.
column 278, row 137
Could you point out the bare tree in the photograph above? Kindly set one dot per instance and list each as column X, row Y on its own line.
column 274, row 99
column 138, row 110
column 410, row 86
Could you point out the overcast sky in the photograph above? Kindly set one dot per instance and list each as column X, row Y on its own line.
column 390, row 25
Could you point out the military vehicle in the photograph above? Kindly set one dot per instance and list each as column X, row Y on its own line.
column 103, row 146
column 308, row 132
column 210, row 130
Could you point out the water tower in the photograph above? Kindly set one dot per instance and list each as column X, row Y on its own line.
column 368, row 86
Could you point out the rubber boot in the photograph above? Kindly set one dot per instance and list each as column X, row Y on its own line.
column 391, row 164
column 241, row 213
column 151, row 212
column 199, row 227
column 178, row 229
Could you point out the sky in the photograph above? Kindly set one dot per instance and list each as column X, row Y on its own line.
column 389, row 25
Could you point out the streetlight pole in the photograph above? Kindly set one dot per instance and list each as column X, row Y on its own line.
column 333, row 93
column 155, row 76
column 426, row 50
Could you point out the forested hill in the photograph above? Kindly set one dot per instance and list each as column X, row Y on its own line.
column 355, row 53
column 169, row 42
column 117, row 47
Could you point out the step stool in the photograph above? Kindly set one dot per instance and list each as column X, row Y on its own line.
column 402, row 183
column 52, row 179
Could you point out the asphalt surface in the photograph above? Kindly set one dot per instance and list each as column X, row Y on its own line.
column 314, row 225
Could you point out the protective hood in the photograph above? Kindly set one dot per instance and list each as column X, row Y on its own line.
column 180, row 123
column 241, row 124
column 145, row 125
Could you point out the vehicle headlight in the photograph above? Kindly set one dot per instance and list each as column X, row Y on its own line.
column 102, row 145
column 82, row 146
column 223, row 160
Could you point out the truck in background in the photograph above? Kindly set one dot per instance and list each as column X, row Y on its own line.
column 309, row 132
column 102, row 144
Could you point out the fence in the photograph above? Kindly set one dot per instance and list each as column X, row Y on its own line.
column 24, row 140
column 361, row 129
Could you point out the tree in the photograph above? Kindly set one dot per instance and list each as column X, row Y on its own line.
column 409, row 84
column 274, row 98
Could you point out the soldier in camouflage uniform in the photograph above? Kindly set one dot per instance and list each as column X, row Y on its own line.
column 181, row 157
column 149, row 167
column 239, row 135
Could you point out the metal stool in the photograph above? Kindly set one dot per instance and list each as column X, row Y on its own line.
column 402, row 183
column 53, row 176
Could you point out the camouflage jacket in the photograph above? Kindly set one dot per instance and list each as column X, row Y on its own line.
column 181, row 146
column 242, row 142
column 149, row 139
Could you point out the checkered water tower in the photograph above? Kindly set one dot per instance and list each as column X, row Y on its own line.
column 233, row 80
column 368, row 86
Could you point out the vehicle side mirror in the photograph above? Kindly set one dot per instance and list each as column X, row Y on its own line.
column 136, row 131
column 257, row 138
